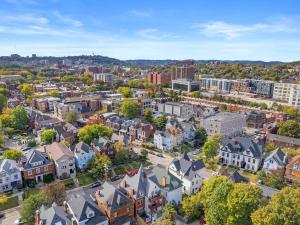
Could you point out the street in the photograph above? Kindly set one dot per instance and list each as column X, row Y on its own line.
column 11, row 215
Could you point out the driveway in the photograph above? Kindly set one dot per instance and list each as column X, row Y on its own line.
column 154, row 159
column 11, row 215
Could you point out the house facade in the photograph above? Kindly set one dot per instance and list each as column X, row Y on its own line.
column 275, row 162
column 83, row 155
column 242, row 151
column 35, row 165
column 189, row 172
column 10, row 175
column 63, row 159
column 292, row 172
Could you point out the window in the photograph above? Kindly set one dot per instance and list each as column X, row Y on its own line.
column 29, row 172
column 16, row 176
column 253, row 160
column 248, row 159
column 46, row 168
column 37, row 170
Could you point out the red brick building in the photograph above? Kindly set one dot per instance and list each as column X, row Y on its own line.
column 159, row 78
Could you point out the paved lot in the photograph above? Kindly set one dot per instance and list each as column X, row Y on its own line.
column 10, row 216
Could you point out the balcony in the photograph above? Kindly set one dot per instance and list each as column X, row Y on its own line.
column 154, row 206
column 155, row 198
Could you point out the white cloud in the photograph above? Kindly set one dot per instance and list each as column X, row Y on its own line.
column 154, row 34
column 231, row 31
column 25, row 19
column 67, row 19
column 139, row 13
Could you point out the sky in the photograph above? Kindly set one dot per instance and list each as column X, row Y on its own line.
column 266, row 30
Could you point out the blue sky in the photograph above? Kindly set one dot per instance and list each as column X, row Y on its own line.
column 153, row 29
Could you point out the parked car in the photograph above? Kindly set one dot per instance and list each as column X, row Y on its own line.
column 160, row 155
column 96, row 184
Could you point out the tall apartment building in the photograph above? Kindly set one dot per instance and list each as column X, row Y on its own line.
column 158, row 78
column 105, row 77
column 182, row 72
column 215, row 84
column 287, row 92
column 264, row 88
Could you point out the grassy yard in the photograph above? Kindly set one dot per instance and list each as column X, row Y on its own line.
column 31, row 191
column 250, row 176
column 69, row 183
column 85, row 179
column 11, row 202
column 120, row 170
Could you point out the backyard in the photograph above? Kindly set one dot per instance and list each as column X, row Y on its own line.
column 11, row 202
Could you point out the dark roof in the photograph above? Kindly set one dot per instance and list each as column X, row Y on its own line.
column 9, row 166
column 237, row 178
column 80, row 205
column 113, row 197
column 186, row 166
column 82, row 147
column 32, row 156
column 54, row 215
column 279, row 156
column 242, row 144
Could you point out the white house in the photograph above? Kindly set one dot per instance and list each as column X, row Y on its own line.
column 275, row 161
column 170, row 185
column 242, row 151
column 167, row 140
column 10, row 175
column 83, row 154
column 189, row 172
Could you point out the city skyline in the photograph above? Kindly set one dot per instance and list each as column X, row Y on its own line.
column 152, row 30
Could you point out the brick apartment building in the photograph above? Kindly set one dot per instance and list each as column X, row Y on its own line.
column 159, row 78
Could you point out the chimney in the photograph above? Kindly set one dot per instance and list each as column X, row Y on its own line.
column 37, row 217
column 65, row 207
column 44, row 148
column 164, row 181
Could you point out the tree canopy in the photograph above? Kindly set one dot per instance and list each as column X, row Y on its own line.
column 90, row 132
column 160, row 122
column 19, row 118
column 72, row 116
column 99, row 166
column 12, row 154
column 29, row 207
column 48, row 136
column 125, row 92
column 55, row 192
column 130, row 108
column 289, row 128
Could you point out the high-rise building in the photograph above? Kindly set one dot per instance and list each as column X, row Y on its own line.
column 183, row 72
column 158, row 78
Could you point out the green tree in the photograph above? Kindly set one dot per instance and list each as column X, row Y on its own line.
column 90, row 132
column 55, row 192
column 3, row 102
column 3, row 199
column 242, row 201
column 99, row 166
column 192, row 206
column 54, row 94
column 289, row 128
column 201, row 135
column 164, row 221
column 263, row 105
column 29, row 207
column 161, row 122
column 125, row 92
column 269, row 147
column 122, row 154
column 4, row 91
column 214, row 197
column 210, row 148
column 169, row 212
column 130, row 108
column 20, row 118
column 148, row 115
column 48, row 136
column 12, row 154
column 282, row 209
column 26, row 90
column 72, row 116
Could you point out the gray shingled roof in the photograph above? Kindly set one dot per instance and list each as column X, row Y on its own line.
column 113, row 197
column 240, row 144
column 279, row 156
column 188, row 167
column 33, row 156
column 81, row 204
column 82, row 147
column 9, row 166
column 54, row 215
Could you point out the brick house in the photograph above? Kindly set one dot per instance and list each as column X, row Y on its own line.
column 35, row 165
column 292, row 172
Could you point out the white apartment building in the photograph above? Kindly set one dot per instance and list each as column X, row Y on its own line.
column 224, row 123
column 105, row 77
column 287, row 92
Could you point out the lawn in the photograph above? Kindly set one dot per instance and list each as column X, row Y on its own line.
column 11, row 202
column 120, row 170
column 250, row 176
column 31, row 191
column 69, row 184
column 85, row 179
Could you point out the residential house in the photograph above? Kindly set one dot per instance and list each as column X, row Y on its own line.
column 167, row 140
column 35, row 165
column 189, row 132
column 189, row 172
column 115, row 203
column 292, row 172
column 275, row 162
column 255, row 119
column 10, row 175
column 79, row 210
column 83, row 155
column 170, row 185
column 242, row 151
column 145, row 192
column 184, row 111
column 103, row 145
column 63, row 158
